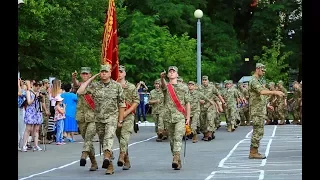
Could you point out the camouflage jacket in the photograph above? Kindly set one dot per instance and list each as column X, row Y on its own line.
column 84, row 112
column 230, row 96
column 210, row 92
column 46, row 98
column 108, row 97
column 157, row 95
column 184, row 98
column 257, row 102
column 281, row 100
column 131, row 94
column 195, row 97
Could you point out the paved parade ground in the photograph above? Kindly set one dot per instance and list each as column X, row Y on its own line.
column 225, row 158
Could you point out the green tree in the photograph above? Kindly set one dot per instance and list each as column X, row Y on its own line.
column 149, row 49
column 275, row 60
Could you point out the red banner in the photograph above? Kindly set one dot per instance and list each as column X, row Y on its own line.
column 109, row 53
column 254, row 3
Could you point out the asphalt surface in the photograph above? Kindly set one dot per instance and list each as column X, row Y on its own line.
column 225, row 158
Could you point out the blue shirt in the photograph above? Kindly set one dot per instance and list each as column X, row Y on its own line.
column 70, row 99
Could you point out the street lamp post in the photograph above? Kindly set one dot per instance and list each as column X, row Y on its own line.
column 198, row 14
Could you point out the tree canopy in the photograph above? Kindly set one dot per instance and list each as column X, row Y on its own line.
column 59, row 36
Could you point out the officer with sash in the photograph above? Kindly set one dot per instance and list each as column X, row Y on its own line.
column 85, row 119
column 177, row 102
column 109, row 108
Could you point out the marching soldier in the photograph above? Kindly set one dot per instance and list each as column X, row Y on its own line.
column 230, row 95
column 239, row 101
column 180, row 80
column 85, row 119
column 157, row 103
column 281, row 104
column 208, row 108
column 123, row 132
column 242, row 108
column 297, row 104
column 195, row 98
column 272, row 118
column 177, row 102
column 109, row 106
column 217, row 120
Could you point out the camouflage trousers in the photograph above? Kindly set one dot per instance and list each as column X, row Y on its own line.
column 45, row 122
column 87, row 131
column 207, row 119
column 195, row 118
column 217, row 120
column 123, row 133
column 296, row 112
column 280, row 112
column 271, row 115
column 106, row 132
column 258, row 130
column 231, row 113
column 237, row 114
column 176, row 131
column 244, row 114
column 159, row 121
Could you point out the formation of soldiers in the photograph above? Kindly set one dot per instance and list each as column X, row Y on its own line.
column 107, row 108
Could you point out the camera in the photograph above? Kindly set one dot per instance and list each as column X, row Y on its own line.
column 39, row 98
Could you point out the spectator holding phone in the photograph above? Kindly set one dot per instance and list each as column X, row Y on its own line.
column 33, row 116
column 142, row 90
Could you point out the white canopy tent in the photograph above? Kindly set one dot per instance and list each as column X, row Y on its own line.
column 244, row 79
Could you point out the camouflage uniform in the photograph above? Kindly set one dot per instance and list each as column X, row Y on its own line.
column 46, row 100
column 158, row 111
column 281, row 109
column 246, row 106
column 272, row 102
column 241, row 108
column 180, row 80
column 176, row 120
column 217, row 120
column 297, row 95
column 257, row 110
column 238, row 106
column 195, row 97
column 108, row 98
column 208, row 111
column 86, row 123
column 123, row 133
column 230, row 95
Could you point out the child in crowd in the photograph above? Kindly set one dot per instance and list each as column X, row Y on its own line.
column 59, row 116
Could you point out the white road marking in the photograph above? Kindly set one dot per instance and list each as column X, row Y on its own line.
column 249, row 133
column 264, row 161
column 221, row 163
column 77, row 161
